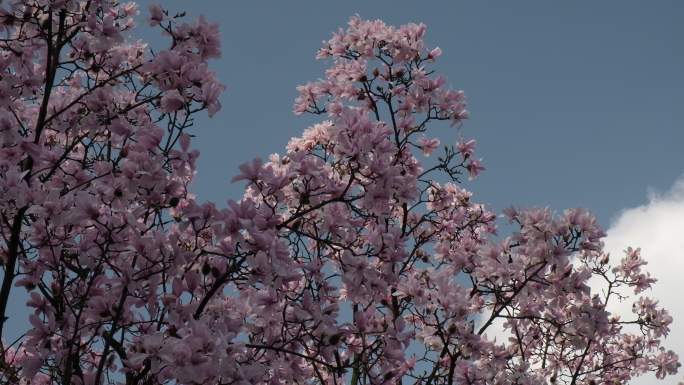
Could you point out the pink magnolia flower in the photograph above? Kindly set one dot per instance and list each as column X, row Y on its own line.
column 428, row 145
column 435, row 53
column 249, row 171
column 172, row 101
column 475, row 167
column 466, row 148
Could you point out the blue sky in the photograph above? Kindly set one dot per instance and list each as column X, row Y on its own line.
column 573, row 103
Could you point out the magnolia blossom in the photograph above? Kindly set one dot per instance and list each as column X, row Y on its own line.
column 347, row 259
column 428, row 145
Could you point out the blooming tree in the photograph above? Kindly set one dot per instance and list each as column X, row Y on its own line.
column 349, row 259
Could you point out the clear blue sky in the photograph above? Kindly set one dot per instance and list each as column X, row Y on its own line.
column 573, row 103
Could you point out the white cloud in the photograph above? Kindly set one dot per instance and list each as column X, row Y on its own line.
column 657, row 227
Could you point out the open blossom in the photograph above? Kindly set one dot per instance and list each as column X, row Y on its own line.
column 349, row 257
column 475, row 167
column 249, row 171
column 466, row 148
column 172, row 101
column 428, row 145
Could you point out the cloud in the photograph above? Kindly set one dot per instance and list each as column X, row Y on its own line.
column 657, row 227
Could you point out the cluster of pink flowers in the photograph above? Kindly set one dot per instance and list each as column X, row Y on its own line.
column 347, row 260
